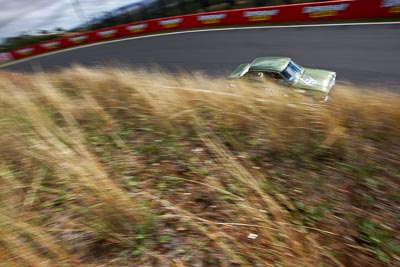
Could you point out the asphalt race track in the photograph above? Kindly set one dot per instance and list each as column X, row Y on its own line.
column 360, row 54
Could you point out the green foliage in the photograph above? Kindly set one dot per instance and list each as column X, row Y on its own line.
column 379, row 239
column 164, row 238
column 25, row 40
column 311, row 213
column 161, row 9
column 138, row 251
column 168, row 183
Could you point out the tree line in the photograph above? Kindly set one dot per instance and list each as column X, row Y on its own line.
column 158, row 9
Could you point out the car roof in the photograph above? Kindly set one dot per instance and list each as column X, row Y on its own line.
column 273, row 64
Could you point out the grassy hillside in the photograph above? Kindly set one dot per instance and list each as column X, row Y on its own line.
column 107, row 167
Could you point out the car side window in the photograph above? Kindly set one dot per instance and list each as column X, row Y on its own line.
column 274, row 76
column 255, row 76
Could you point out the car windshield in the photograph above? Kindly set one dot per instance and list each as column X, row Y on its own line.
column 292, row 72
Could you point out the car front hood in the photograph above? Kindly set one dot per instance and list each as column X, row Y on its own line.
column 317, row 80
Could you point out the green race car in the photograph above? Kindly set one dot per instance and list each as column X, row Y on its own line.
column 284, row 71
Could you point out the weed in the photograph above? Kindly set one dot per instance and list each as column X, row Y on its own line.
column 378, row 238
column 100, row 162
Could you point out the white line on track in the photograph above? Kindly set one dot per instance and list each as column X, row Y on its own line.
column 202, row 30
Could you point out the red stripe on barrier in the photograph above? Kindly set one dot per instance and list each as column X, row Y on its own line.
column 331, row 10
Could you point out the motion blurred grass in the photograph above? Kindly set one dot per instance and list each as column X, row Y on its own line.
column 110, row 167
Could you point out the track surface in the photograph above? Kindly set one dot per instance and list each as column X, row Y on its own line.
column 360, row 54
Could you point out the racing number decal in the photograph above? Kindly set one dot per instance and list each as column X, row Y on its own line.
column 308, row 80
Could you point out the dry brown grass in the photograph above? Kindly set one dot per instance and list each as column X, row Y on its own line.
column 110, row 167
